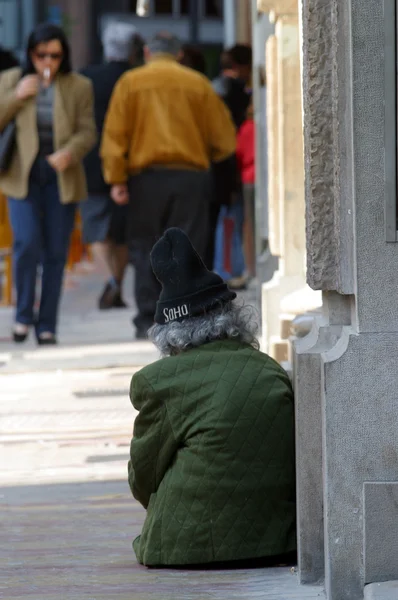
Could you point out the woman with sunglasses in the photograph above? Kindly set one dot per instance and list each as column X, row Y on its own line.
column 53, row 111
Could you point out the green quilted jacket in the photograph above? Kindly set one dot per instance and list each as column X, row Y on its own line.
column 212, row 456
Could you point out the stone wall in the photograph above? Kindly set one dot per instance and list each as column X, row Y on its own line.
column 345, row 381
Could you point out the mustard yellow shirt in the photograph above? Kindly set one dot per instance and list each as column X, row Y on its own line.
column 164, row 114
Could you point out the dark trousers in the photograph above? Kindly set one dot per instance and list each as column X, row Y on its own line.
column 41, row 228
column 214, row 212
column 159, row 199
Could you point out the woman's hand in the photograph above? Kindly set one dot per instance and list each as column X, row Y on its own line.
column 27, row 87
column 60, row 160
column 120, row 194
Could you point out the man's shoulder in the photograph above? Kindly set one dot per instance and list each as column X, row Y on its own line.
column 194, row 79
column 134, row 74
column 165, row 73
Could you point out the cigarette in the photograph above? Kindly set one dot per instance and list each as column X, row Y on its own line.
column 46, row 73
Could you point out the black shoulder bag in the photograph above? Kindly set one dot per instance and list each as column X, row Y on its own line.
column 7, row 145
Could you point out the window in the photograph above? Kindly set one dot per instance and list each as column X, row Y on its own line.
column 163, row 7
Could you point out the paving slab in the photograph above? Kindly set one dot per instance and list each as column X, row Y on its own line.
column 67, row 518
column 387, row 590
column 74, row 541
column 105, row 337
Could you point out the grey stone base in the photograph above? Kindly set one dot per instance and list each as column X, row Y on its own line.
column 382, row 591
column 381, row 528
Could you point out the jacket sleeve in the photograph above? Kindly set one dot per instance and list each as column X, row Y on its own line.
column 221, row 129
column 116, row 134
column 9, row 103
column 85, row 136
column 153, row 446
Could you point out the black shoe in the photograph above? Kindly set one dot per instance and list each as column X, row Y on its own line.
column 108, row 296
column 47, row 341
column 19, row 338
column 118, row 302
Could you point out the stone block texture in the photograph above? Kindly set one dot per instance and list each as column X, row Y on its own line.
column 376, row 260
column 326, row 268
column 360, row 424
column 310, row 536
column 381, row 526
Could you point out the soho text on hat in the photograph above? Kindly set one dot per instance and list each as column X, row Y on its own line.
column 171, row 314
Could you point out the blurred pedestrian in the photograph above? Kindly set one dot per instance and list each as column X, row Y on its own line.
column 104, row 221
column 193, row 57
column 7, row 60
column 53, row 111
column 234, row 82
column 164, row 126
column 212, row 453
column 233, row 86
column 245, row 153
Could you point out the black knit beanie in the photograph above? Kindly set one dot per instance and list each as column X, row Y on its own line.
column 189, row 289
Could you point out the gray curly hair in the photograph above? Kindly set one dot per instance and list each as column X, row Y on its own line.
column 118, row 39
column 231, row 322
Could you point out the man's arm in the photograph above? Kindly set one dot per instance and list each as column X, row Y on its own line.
column 153, row 446
column 116, row 135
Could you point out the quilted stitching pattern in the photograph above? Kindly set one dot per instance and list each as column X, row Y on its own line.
column 216, row 434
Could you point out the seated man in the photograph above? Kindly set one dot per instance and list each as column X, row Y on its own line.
column 212, row 456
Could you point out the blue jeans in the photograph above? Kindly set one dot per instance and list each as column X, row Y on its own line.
column 41, row 228
column 238, row 262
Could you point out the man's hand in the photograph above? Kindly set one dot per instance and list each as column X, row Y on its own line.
column 60, row 160
column 120, row 194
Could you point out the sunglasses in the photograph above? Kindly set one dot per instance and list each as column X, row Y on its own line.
column 51, row 55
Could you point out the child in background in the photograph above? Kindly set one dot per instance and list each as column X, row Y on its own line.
column 245, row 153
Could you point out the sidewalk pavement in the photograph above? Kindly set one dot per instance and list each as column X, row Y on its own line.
column 67, row 518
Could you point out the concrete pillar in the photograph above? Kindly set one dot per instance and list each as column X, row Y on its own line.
column 237, row 22
column 229, row 23
column 76, row 19
column 273, row 129
column 285, row 169
column 345, row 369
column 262, row 29
column 243, row 21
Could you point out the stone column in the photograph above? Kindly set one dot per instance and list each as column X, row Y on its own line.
column 285, row 169
column 77, row 21
column 243, row 21
column 345, row 369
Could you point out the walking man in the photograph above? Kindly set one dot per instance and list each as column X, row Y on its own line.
column 164, row 126
column 104, row 222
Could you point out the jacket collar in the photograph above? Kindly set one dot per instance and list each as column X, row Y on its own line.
column 162, row 57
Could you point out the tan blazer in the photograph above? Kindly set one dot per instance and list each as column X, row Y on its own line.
column 73, row 126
